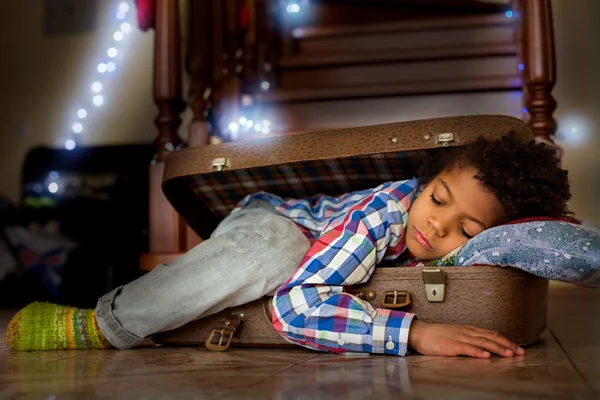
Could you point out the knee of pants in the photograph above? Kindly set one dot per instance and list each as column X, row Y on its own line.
column 284, row 234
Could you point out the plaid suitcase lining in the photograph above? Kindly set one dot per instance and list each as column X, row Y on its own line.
column 221, row 191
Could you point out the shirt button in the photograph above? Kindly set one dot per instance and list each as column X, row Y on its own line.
column 341, row 342
column 389, row 345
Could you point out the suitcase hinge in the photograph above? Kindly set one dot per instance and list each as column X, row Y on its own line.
column 435, row 284
column 220, row 338
column 220, row 163
column 444, row 138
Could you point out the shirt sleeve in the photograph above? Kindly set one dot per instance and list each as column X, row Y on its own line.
column 313, row 310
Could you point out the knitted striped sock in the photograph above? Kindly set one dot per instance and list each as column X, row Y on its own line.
column 45, row 326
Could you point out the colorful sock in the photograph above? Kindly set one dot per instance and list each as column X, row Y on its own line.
column 45, row 326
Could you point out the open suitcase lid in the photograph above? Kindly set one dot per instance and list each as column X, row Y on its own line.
column 205, row 183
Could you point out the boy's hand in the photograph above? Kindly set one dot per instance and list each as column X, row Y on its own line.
column 457, row 340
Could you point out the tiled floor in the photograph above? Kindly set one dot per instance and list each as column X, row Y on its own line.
column 564, row 364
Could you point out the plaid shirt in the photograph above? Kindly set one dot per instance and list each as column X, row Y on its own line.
column 351, row 234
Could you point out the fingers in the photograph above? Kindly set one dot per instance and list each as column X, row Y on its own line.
column 472, row 351
column 489, row 345
column 499, row 339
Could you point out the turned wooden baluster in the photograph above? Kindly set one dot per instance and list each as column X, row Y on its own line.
column 219, row 60
column 198, row 66
column 166, row 232
column 539, row 76
column 167, row 77
column 234, row 46
column 268, row 43
column 226, row 63
column 250, row 63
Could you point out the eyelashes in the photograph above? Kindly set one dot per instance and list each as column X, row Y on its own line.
column 465, row 234
column 435, row 201
column 440, row 204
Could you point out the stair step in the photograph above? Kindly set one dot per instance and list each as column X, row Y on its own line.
column 399, row 36
column 397, row 73
column 461, row 22
column 329, row 114
column 487, row 83
column 457, row 4
column 409, row 55
column 329, row 13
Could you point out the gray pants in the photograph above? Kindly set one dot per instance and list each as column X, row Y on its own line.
column 250, row 254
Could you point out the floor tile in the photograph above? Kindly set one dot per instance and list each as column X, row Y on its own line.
column 574, row 315
column 587, row 362
column 565, row 363
column 545, row 372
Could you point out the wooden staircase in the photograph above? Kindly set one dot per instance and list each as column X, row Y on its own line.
column 338, row 63
column 443, row 55
column 393, row 49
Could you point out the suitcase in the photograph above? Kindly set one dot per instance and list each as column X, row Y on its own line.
column 205, row 183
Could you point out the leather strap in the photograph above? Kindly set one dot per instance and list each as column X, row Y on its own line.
column 220, row 338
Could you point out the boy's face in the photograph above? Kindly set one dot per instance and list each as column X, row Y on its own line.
column 451, row 209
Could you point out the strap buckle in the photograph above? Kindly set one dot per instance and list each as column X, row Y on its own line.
column 220, row 337
column 395, row 299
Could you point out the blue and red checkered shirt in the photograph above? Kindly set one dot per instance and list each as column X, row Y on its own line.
column 350, row 235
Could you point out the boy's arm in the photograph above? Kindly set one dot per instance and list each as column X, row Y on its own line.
column 313, row 310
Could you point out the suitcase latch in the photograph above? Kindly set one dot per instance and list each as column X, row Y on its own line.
column 395, row 299
column 220, row 163
column 220, row 338
column 435, row 284
column 445, row 138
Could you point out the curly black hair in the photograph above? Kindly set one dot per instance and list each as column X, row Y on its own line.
column 524, row 175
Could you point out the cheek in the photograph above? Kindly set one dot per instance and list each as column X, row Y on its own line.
column 449, row 244
column 413, row 215
column 417, row 209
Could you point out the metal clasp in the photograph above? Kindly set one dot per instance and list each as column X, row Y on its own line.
column 395, row 299
column 435, row 284
column 366, row 294
column 220, row 163
column 445, row 137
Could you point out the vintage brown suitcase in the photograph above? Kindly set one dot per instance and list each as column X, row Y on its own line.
column 205, row 183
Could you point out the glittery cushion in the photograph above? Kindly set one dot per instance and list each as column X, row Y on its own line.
column 552, row 249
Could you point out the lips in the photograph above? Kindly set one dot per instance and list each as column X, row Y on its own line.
column 422, row 240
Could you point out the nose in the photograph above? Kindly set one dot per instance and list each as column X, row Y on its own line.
column 438, row 225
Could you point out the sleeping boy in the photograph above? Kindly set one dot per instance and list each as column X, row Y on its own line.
column 305, row 251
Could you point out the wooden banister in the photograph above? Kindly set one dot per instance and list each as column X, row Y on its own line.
column 167, row 234
column 199, row 70
column 539, row 75
column 167, row 77
column 226, row 59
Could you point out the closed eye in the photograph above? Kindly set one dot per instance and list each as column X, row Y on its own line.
column 464, row 233
column 435, row 201
column 440, row 204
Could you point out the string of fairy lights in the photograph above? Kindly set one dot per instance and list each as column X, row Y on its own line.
column 95, row 98
column 241, row 125
column 107, row 64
